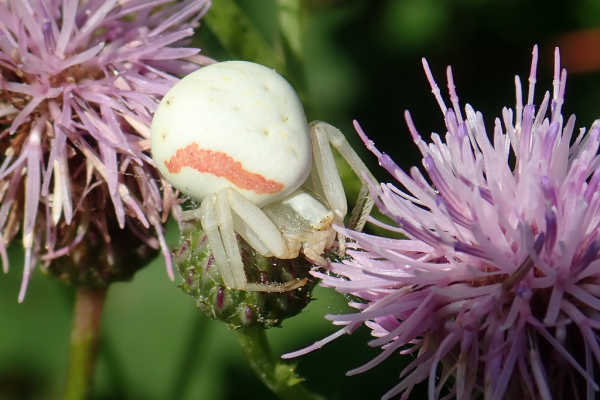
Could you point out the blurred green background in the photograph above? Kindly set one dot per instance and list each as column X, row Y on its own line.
column 360, row 59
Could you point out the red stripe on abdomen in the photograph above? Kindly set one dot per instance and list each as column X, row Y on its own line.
column 220, row 164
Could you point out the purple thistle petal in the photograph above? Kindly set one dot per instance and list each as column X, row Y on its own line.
column 32, row 190
column 316, row 345
column 93, row 21
column 165, row 250
column 84, row 56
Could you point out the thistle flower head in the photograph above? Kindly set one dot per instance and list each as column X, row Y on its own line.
column 496, row 290
column 79, row 82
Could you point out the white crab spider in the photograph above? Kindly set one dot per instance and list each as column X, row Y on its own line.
column 234, row 136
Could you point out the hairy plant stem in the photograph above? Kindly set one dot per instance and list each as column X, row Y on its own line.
column 276, row 375
column 84, row 342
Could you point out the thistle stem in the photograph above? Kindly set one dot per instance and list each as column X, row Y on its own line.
column 84, row 342
column 276, row 375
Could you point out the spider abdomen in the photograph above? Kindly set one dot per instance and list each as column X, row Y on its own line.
column 233, row 124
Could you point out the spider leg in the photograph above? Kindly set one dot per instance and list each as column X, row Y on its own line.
column 327, row 179
column 264, row 235
column 250, row 237
column 239, row 226
column 208, row 218
column 362, row 209
column 230, row 243
column 189, row 215
column 257, row 229
column 364, row 203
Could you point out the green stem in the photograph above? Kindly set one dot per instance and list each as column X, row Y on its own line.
column 84, row 342
column 276, row 375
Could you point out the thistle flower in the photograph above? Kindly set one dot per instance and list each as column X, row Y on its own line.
column 496, row 289
column 79, row 82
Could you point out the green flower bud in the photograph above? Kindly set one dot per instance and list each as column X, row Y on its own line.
column 240, row 308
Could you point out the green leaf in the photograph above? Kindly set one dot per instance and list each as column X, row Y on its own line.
column 239, row 36
column 290, row 25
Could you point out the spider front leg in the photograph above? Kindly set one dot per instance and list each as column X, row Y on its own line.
column 327, row 181
column 256, row 228
column 210, row 225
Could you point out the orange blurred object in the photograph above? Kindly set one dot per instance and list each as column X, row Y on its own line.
column 580, row 50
